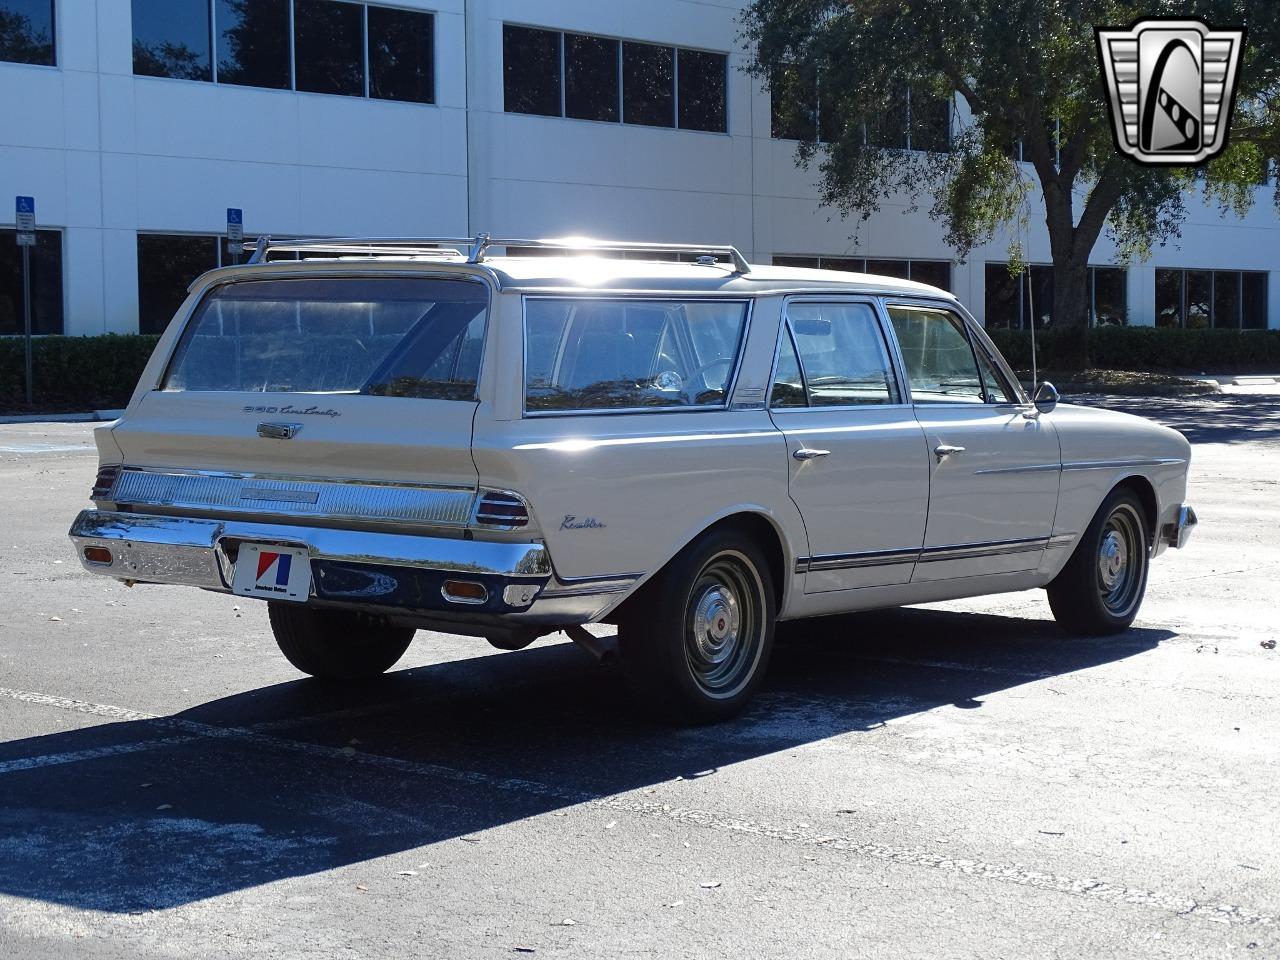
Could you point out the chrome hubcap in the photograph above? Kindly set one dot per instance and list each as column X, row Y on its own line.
column 724, row 625
column 1121, row 562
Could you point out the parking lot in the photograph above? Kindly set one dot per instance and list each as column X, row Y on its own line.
column 958, row 780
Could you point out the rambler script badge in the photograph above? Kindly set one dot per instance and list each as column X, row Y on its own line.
column 1171, row 86
column 571, row 522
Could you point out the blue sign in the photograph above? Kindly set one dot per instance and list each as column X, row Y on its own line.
column 233, row 215
column 235, row 225
column 25, row 219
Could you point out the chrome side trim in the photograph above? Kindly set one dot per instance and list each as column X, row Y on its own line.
column 961, row 551
column 994, row 548
column 1029, row 468
column 1105, row 464
column 1061, row 540
column 293, row 496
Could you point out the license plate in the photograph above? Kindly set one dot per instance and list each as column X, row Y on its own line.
column 273, row 573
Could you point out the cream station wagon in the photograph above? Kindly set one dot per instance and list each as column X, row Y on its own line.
column 380, row 436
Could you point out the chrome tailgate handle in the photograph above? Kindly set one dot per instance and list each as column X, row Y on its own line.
column 806, row 453
column 278, row 431
column 944, row 450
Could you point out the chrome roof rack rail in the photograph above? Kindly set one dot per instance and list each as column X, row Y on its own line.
column 477, row 246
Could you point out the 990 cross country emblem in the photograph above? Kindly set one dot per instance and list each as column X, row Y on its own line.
column 1171, row 86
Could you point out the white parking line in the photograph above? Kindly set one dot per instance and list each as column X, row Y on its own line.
column 1095, row 889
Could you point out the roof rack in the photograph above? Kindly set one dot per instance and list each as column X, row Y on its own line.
column 476, row 247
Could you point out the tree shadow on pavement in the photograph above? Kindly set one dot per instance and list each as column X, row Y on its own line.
column 1214, row 418
column 299, row 778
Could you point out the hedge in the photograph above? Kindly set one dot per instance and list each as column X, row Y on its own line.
column 74, row 373
column 1153, row 349
column 94, row 373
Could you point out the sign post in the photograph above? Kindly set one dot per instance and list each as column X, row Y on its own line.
column 235, row 233
column 25, row 218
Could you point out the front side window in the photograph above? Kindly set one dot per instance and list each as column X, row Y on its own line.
column 940, row 362
column 590, row 354
column 26, row 32
column 843, row 356
column 382, row 337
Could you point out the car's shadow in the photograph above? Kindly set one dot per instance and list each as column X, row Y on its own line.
column 298, row 778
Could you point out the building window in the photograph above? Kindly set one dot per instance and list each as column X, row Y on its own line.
column 167, row 263
column 648, row 84
column 700, row 92
column 1012, row 301
column 1218, row 299
column 583, row 77
column 336, row 47
column 27, row 32
column 802, row 108
column 936, row 273
column 171, row 38
column 329, row 47
column 401, row 55
column 46, row 283
column 253, row 43
column 590, row 77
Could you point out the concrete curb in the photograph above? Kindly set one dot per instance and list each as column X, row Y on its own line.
column 93, row 417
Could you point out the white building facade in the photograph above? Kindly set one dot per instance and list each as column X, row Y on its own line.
column 136, row 124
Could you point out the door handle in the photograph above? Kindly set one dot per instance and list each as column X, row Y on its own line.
column 805, row 453
column 944, row 450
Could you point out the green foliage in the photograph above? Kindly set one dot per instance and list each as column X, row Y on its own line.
column 74, row 373
column 1028, row 72
column 1151, row 349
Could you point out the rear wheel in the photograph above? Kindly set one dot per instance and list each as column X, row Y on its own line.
column 1101, row 588
column 696, row 646
column 337, row 644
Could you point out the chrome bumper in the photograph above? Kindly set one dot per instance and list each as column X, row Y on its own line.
column 397, row 573
column 1177, row 532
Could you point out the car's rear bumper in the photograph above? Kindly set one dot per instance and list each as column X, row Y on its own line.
column 398, row 573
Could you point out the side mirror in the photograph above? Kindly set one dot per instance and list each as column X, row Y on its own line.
column 1046, row 398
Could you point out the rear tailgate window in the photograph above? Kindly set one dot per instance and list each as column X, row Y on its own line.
column 379, row 336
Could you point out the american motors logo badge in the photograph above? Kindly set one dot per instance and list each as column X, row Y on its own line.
column 1171, row 88
column 273, row 572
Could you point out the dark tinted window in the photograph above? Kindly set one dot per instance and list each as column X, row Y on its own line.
column 46, row 283
column 171, row 39
column 648, row 84
column 1002, row 307
column 328, row 47
column 805, row 262
column 1110, row 298
column 936, row 273
column 26, row 31
column 401, row 55
column 1226, row 299
column 531, row 71
column 793, row 101
column 253, row 43
column 386, row 337
column 701, row 93
column 1253, row 301
column 1168, row 298
column 590, row 77
column 1199, row 299
column 930, row 122
column 899, row 269
column 166, row 266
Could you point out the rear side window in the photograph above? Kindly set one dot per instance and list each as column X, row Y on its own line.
column 843, row 356
column 599, row 354
column 939, row 359
column 387, row 337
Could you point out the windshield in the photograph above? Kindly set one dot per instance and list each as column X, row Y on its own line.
column 384, row 336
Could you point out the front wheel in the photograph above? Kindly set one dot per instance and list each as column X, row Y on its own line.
column 696, row 646
column 337, row 644
column 1101, row 588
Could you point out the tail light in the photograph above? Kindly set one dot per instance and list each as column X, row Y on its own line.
column 497, row 509
column 104, row 483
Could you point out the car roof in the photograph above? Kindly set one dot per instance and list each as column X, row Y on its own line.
column 578, row 273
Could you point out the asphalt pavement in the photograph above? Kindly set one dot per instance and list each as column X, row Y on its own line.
column 956, row 780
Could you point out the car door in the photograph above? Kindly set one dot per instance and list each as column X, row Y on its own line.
column 859, row 463
column 994, row 470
